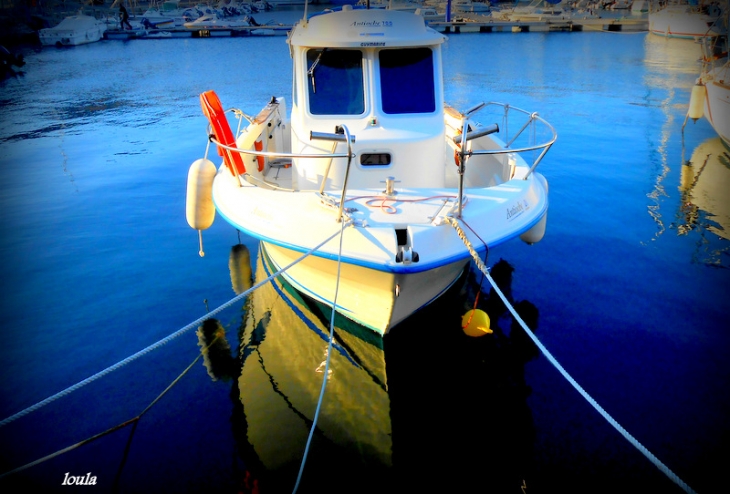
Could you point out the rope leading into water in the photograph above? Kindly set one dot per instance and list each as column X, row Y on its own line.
column 133, row 421
column 163, row 341
column 661, row 466
column 326, row 367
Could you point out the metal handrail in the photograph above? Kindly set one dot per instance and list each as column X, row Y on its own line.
column 338, row 137
column 341, row 134
column 271, row 154
column 465, row 136
column 533, row 117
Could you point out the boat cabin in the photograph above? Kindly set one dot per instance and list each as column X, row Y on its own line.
column 379, row 73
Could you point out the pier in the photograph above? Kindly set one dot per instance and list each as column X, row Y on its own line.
column 453, row 27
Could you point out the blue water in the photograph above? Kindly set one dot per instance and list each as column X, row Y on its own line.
column 98, row 262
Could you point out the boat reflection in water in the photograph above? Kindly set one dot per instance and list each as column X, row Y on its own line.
column 705, row 205
column 452, row 410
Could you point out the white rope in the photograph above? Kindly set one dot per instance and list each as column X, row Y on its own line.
column 326, row 367
column 163, row 341
column 665, row 469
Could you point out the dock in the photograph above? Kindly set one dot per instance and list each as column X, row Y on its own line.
column 459, row 26
column 183, row 32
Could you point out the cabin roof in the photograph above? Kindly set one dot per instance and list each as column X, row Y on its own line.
column 364, row 28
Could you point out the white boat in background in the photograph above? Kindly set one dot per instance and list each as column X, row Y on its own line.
column 716, row 99
column 169, row 14
column 618, row 5
column 466, row 6
column 213, row 22
column 430, row 14
column 415, row 187
column 73, row 30
column 166, row 14
column 536, row 10
column 639, row 7
column 247, row 24
column 682, row 20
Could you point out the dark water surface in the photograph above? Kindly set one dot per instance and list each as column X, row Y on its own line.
column 630, row 286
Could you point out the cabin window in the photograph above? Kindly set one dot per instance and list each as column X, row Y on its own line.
column 407, row 81
column 335, row 81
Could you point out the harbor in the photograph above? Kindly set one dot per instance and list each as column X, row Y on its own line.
column 463, row 25
column 21, row 25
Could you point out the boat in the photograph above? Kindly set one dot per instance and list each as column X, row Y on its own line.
column 710, row 96
column 213, row 22
column 415, row 187
column 73, row 30
column 714, row 83
column 169, row 14
column 245, row 25
column 682, row 20
column 465, row 6
column 639, row 7
column 430, row 14
column 537, row 10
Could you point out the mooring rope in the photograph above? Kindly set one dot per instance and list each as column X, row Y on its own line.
column 661, row 466
column 133, row 421
column 326, row 367
column 165, row 340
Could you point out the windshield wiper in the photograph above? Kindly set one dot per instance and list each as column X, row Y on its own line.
column 310, row 72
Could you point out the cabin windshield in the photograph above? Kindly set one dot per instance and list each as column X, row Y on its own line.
column 335, row 82
column 407, row 81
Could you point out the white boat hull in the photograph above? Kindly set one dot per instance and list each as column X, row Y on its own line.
column 373, row 298
column 674, row 22
column 73, row 31
column 717, row 101
column 376, row 290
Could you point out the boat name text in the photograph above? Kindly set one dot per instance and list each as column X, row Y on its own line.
column 372, row 24
column 80, row 480
column 262, row 214
column 517, row 209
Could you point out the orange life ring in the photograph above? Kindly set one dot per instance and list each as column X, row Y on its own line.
column 261, row 160
column 213, row 109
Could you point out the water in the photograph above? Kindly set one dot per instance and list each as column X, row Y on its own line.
column 630, row 284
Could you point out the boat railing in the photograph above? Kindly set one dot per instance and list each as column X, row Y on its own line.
column 532, row 120
column 338, row 136
column 341, row 134
column 467, row 135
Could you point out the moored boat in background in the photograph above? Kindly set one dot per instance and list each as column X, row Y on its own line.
column 682, row 20
column 73, row 30
column 716, row 82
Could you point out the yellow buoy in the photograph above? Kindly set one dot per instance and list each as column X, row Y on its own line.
column 476, row 323
column 697, row 102
column 199, row 208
